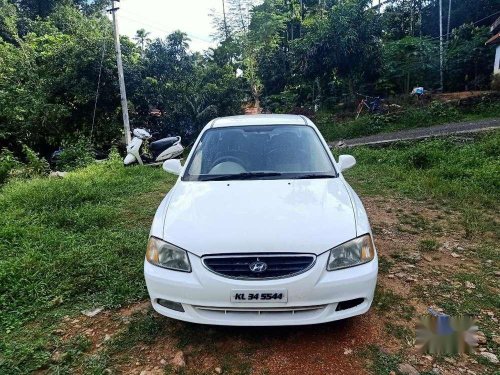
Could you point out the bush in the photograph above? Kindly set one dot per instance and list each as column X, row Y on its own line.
column 443, row 111
column 10, row 166
column 8, row 162
column 114, row 155
column 34, row 167
column 75, row 154
column 280, row 103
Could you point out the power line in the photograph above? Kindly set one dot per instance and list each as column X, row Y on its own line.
column 98, row 85
column 158, row 28
column 441, row 51
column 449, row 21
column 471, row 23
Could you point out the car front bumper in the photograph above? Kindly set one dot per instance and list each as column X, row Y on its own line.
column 313, row 296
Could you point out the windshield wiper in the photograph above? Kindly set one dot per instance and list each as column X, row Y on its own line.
column 241, row 176
column 315, row 176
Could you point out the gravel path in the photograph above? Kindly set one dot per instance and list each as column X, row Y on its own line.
column 421, row 133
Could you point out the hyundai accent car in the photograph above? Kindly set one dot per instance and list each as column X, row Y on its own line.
column 261, row 229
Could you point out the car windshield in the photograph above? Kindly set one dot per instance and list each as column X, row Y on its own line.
column 260, row 152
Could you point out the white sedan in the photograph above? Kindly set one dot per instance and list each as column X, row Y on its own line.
column 261, row 229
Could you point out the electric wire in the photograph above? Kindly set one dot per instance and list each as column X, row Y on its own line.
column 157, row 27
column 98, row 85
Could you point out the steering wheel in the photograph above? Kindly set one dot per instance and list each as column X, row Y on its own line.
column 234, row 159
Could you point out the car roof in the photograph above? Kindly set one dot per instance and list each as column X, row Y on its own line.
column 251, row 120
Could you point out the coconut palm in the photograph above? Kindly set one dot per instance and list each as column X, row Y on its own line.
column 141, row 36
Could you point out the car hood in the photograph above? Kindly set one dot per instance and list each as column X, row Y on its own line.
column 306, row 216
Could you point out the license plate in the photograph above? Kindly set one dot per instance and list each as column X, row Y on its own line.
column 271, row 296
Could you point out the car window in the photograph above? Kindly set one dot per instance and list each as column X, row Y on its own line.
column 253, row 152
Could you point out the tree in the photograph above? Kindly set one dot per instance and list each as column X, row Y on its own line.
column 188, row 89
column 234, row 20
column 8, row 22
column 142, row 38
column 407, row 63
column 468, row 60
column 48, row 85
column 403, row 18
column 341, row 50
column 43, row 8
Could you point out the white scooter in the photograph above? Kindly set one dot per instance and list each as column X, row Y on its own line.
column 161, row 150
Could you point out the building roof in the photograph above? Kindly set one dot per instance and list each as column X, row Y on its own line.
column 249, row 120
column 495, row 39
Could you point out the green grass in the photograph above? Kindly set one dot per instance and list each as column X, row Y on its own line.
column 455, row 173
column 456, row 299
column 384, row 265
column 70, row 244
column 77, row 243
column 143, row 328
column 428, row 245
column 389, row 303
column 412, row 117
column 381, row 363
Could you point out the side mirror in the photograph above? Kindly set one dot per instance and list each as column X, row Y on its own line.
column 173, row 166
column 346, row 162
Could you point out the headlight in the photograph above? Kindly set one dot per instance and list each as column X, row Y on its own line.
column 163, row 254
column 352, row 253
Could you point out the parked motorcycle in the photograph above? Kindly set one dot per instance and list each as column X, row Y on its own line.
column 155, row 152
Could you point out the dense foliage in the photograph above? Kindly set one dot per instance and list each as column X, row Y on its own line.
column 53, row 55
column 293, row 55
column 324, row 52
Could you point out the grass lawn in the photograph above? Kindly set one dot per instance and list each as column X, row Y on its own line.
column 78, row 243
column 458, row 173
column 67, row 245
column 412, row 117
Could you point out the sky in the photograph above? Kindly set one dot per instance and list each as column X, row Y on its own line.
column 161, row 17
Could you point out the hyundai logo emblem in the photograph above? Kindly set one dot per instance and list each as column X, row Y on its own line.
column 258, row 267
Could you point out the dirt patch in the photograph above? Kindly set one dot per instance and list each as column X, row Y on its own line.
column 332, row 348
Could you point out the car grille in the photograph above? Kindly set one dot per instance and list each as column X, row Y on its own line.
column 276, row 266
column 259, row 314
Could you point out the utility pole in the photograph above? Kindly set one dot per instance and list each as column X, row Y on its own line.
column 449, row 21
column 301, row 17
column 226, row 31
column 441, row 44
column 121, row 78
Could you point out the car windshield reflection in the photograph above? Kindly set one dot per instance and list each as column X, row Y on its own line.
column 259, row 152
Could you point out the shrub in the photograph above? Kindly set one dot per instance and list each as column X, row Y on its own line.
column 280, row 103
column 114, row 155
column 8, row 163
column 34, row 167
column 75, row 154
column 10, row 166
column 443, row 111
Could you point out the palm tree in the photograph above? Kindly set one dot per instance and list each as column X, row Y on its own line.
column 141, row 36
column 178, row 43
